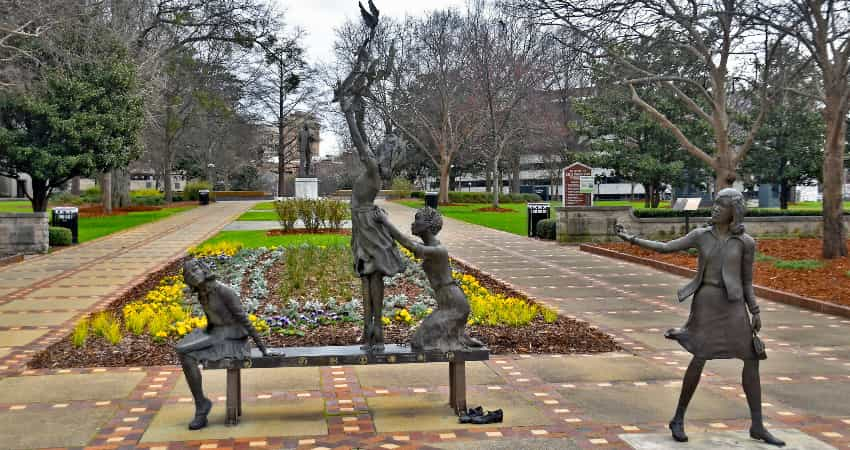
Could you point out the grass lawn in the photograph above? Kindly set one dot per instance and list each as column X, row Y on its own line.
column 16, row 206
column 512, row 222
column 258, row 238
column 264, row 206
column 95, row 227
column 259, row 215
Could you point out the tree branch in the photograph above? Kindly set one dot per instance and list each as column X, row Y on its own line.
column 666, row 123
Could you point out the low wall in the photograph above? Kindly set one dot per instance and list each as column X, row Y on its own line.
column 597, row 224
column 24, row 233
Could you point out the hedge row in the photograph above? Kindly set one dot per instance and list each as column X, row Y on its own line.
column 58, row 236
column 706, row 212
column 483, row 197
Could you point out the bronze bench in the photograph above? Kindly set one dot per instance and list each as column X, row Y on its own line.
column 350, row 355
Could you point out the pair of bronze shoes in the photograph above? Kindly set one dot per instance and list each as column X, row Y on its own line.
column 677, row 427
column 477, row 416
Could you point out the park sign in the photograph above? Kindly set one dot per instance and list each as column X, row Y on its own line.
column 577, row 185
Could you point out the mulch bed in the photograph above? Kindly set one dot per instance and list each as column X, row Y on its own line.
column 830, row 283
column 97, row 210
column 563, row 336
column 280, row 232
column 97, row 352
column 491, row 209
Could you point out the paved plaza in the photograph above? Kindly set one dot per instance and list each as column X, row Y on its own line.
column 617, row 400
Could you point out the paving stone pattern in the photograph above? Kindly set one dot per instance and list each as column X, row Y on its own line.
column 618, row 400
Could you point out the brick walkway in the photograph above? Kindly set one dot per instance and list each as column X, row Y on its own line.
column 601, row 401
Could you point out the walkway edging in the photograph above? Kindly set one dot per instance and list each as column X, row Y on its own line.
column 761, row 291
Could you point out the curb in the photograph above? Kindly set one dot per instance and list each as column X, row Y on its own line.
column 761, row 291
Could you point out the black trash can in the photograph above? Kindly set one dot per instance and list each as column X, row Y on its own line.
column 67, row 217
column 432, row 199
column 536, row 212
column 204, row 197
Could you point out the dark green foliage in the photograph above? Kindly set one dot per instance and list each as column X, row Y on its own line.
column 417, row 194
column 628, row 140
column 245, row 178
column 76, row 119
column 59, row 236
column 546, row 229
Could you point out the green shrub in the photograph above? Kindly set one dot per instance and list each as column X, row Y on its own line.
column 486, row 197
column 337, row 212
column 67, row 198
column 401, row 188
column 91, row 195
column 287, row 213
column 417, row 194
column 706, row 212
column 190, row 192
column 798, row 264
column 145, row 193
column 546, row 229
column 147, row 197
column 59, row 236
column 307, row 213
column 81, row 333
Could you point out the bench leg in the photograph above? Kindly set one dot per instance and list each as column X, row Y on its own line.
column 457, row 386
column 234, row 395
column 239, row 398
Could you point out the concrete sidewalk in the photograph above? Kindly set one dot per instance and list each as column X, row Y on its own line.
column 617, row 400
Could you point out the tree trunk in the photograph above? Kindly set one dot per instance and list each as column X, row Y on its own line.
column 516, row 178
column 281, row 159
column 498, row 183
column 169, row 193
column 834, row 233
column 106, row 192
column 489, row 180
column 75, row 186
column 725, row 172
column 647, row 196
column 784, row 194
column 40, row 195
column 121, row 188
column 444, row 182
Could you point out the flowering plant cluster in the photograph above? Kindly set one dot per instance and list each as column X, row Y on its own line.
column 162, row 312
column 497, row 309
column 215, row 249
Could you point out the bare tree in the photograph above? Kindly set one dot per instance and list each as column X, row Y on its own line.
column 822, row 27
column 282, row 84
column 435, row 105
column 508, row 59
column 712, row 33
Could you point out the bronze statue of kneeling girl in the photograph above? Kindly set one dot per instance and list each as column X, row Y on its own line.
column 718, row 326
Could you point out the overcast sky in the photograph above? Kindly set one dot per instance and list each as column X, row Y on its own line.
column 319, row 18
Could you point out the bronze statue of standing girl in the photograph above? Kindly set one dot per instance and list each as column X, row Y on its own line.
column 719, row 325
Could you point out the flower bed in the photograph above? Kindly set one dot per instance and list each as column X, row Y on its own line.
column 789, row 265
column 308, row 296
